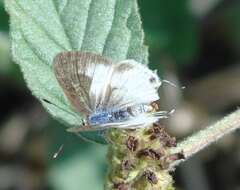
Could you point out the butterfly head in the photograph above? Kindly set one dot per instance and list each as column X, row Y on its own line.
column 154, row 80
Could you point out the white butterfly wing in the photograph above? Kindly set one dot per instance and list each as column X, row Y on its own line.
column 133, row 84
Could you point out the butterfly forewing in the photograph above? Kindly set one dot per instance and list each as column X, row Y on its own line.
column 75, row 73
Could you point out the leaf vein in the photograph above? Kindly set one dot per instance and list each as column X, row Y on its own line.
column 110, row 31
column 87, row 23
column 40, row 27
column 29, row 44
column 62, row 25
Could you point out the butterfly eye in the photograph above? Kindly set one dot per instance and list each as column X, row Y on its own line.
column 84, row 122
column 152, row 79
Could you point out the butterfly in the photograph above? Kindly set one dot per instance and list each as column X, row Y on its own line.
column 108, row 94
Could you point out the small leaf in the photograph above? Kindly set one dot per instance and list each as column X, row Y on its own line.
column 42, row 28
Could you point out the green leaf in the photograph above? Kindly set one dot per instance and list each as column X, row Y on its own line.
column 171, row 30
column 41, row 29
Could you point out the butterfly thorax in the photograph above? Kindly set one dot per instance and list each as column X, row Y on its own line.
column 117, row 115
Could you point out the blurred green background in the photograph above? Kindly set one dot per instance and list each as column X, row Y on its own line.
column 192, row 43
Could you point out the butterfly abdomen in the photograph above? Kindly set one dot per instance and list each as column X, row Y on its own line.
column 112, row 116
column 105, row 117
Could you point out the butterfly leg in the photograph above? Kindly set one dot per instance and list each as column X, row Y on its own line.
column 155, row 105
column 81, row 128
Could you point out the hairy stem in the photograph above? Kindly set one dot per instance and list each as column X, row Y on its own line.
column 205, row 137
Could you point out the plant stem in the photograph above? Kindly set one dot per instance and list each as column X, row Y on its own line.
column 207, row 136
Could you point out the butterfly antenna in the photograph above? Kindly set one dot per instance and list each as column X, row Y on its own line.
column 48, row 102
column 55, row 155
column 164, row 114
column 172, row 84
column 171, row 112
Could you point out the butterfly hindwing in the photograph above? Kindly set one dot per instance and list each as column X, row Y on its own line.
column 134, row 84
